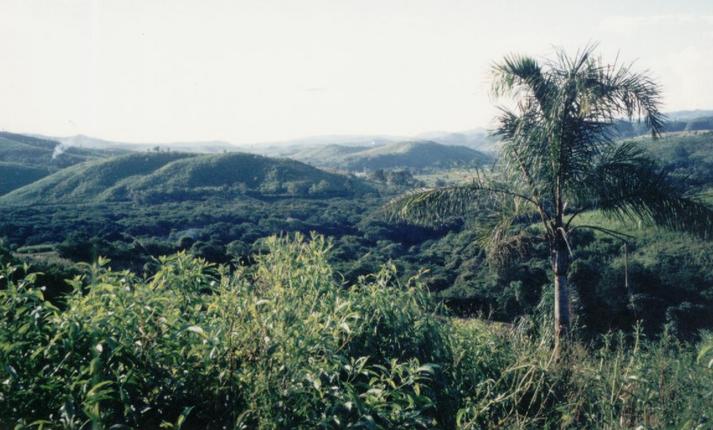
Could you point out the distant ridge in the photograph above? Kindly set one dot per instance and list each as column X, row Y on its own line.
column 89, row 142
column 686, row 122
column 688, row 115
column 410, row 154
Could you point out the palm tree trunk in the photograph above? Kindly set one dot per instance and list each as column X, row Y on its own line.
column 562, row 306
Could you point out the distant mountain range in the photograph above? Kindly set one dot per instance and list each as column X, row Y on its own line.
column 31, row 150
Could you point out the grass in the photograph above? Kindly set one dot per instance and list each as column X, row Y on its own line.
column 283, row 345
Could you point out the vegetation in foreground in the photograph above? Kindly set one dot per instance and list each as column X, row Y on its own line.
column 280, row 344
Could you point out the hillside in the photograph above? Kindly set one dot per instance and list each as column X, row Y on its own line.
column 687, row 115
column 478, row 139
column 160, row 177
column 418, row 155
column 412, row 155
column 687, row 155
column 16, row 175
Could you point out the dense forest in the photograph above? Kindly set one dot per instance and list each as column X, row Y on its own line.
column 369, row 286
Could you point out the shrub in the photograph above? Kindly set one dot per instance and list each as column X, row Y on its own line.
column 278, row 345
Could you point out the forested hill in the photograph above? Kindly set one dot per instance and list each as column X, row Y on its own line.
column 169, row 176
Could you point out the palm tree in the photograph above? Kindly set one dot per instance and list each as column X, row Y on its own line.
column 559, row 158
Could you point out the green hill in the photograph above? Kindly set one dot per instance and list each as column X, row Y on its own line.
column 413, row 155
column 160, row 177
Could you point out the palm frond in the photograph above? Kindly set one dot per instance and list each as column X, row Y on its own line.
column 504, row 239
column 524, row 154
column 521, row 75
column 436, row 206
column 629, row 185
column 499, row 214
column 620, row 91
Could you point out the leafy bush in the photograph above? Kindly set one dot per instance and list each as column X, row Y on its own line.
column 278, row 345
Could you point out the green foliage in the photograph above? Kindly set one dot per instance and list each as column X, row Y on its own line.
column 688, row 157
column 282, row 345
column 669, row 275
column 278, row 345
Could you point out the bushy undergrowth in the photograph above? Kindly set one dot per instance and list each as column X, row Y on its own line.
column 628, row 382
column 281, row 345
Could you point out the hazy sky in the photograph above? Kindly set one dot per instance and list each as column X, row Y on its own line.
column 247, row 71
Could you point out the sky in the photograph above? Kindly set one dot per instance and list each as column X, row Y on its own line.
column 267, row 70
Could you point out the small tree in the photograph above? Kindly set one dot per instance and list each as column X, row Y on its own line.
column 560, row 158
